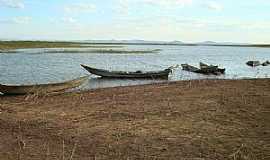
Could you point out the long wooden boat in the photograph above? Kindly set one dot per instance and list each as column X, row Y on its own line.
column 41, row 88
column 122, row 74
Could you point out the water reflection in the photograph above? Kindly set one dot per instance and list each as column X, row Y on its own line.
column 109, row 82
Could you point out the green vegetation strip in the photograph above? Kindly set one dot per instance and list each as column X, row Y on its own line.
column 107, row 51
column 101, row 51
column 11, row 45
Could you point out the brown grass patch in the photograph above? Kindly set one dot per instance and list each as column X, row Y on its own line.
column 204, row 119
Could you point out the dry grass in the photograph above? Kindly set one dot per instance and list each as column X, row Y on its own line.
column 206, row 119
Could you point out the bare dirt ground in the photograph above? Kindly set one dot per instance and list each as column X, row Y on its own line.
column 189, row 120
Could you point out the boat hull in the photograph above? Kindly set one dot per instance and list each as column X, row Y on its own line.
column 212, row 69
column 41, row 88
column 207, row 70
column 119, row 74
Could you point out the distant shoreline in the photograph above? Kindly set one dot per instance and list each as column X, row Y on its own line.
column 189, row 44
column 8, row 45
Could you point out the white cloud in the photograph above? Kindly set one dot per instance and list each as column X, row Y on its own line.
column 169, row 3
column 80, row 7
column 69, row 20
column 21, row 20
column 12, row 4
column 125, row 5
column 214, row 6
column 4, row 21
column 16, row 20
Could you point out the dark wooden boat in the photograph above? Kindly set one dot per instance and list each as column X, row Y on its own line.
column 206, row 71
column 190, row 68
column 41, row 88
column 212, row 68
column 121, row 74
column 253, row 63
column 204, row 65
column 266, row 63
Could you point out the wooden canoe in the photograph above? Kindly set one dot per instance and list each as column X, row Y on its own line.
column 41, row 88
column 122, row 74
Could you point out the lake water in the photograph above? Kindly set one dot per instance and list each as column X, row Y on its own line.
column 32, row 66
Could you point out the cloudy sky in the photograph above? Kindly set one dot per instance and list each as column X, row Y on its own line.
column 184, row 20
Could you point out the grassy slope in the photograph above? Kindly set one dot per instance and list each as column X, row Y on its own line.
column 204, row 119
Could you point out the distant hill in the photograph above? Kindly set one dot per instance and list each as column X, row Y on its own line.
column 145, row 42
column 207, row 42
column 220, row 43
column 161, row 42
column 133, row 42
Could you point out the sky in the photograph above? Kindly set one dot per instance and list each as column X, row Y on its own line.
column 241, row 21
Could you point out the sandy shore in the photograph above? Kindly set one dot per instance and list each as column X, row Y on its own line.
column 206, row 119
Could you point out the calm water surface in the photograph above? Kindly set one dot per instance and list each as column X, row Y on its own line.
column 32, row 66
